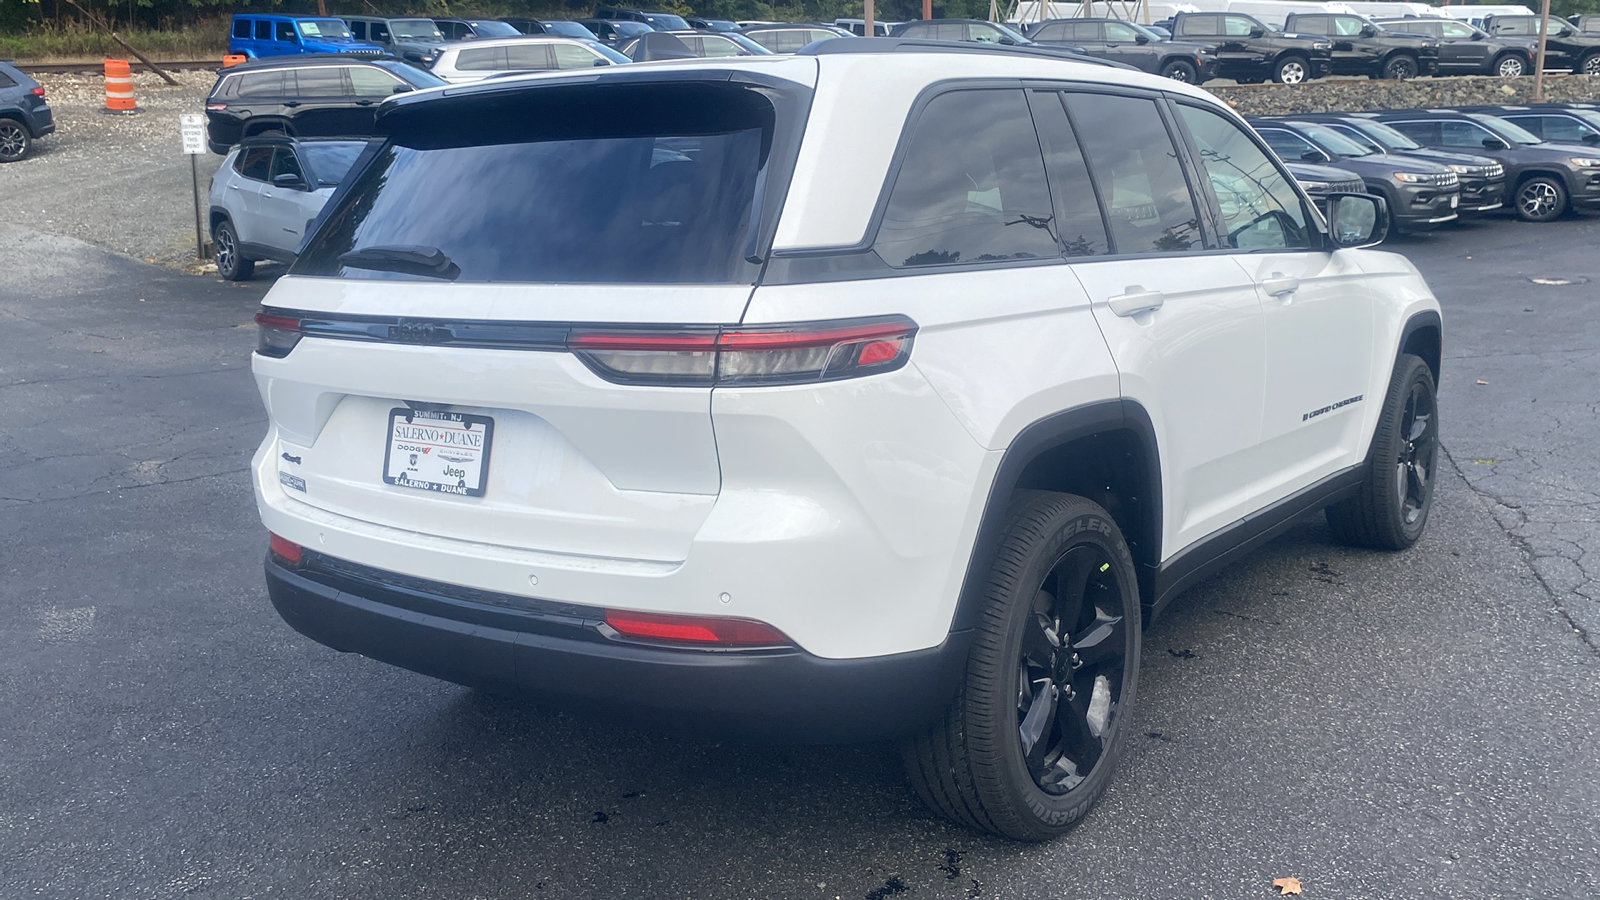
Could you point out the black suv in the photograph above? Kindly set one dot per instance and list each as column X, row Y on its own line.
column 1134, row 45
column 23, row 113
column 1250, row 52
column 1361, row 47
column 974, row 31
column 1565, row 123
column 557, row 27
column 660, row 21
column 1565, row 46
column 467, row 29
column 1465, row 49
column 1483, row 180
column 1421, row 195
column 329, row 95
column 1545, row 180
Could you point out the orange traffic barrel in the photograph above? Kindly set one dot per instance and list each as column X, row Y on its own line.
column 233, row 59
column 119, row 87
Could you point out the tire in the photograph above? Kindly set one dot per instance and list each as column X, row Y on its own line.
column 1400, row 67
column 1181, row 70
column 1511, row 66
column 1542, row 198
column 15, row 141
column 1391, row 509
column 231, row 264
column 1291, row 70
column 1590, row 65
column 1033, row 735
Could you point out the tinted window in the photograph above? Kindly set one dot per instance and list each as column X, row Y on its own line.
column 529, row 56
column 1055, row 31
column 320, row 81
column 567, row 29
column 263, row 30
column 1088, row 32
column 1426, row 133
column 1464, row 134
column 1289, row 145
column 380, row 32
column 285, row 163
column 1202, row 25
column 971, row 187
column 358, row 30
column 369, row 82
column 261, row 84
column 1311, row 24
column 649, row 184
column 1078, row 221
column 780, row 41
column 1259, row 208
column 254, row 162
column 1136, row 173
column 484, row 59
column 241, row 28
column 1556, row 128
column 285, row 31
column 6, row 80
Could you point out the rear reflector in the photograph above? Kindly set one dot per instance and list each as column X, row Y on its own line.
column 702, row 630
column 284, row 549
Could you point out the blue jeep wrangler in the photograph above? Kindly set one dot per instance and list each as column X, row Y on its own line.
column 259, row 36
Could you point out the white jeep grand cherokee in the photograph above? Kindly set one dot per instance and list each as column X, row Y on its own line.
column 879, row 391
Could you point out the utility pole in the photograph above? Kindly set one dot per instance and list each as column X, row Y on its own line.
column 927, row 9
column 868, row 29
column 1538, row 60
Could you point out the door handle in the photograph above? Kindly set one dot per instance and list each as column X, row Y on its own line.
column 291, row 103
column 365, row 102
column 1280, row 285
column 1135, row 301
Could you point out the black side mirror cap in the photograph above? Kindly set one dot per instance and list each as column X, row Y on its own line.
column 1256, row 33
column 288, row 180
column 1368, row 31
column 1141, row 39
column 1495, row 144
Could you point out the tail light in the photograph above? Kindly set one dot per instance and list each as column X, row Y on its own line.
column 283, row 549
column 37, row 90
column 770, row 354
column 696, row 630
column 215, row 106
column 276, row 335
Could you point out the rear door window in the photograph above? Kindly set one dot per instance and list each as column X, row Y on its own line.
column 645, row 184
column 529, row 56
column 1134, row 162
column 1424, row 133
column 971, row 187
column 481, row 59
column 261, row 84
column 263, row 30
column 1055, row 31
column 1311, row 24
column 320, row 82
column 1202, row 25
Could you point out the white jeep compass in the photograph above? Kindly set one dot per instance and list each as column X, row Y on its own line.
column 881, row 391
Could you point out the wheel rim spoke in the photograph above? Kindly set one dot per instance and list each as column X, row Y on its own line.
column 1103, row 640
column 1040, row 717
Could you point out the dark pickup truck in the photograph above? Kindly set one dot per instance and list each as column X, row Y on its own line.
column 1565, row 47
column 1125, row 42
column 1465, row 49
column 1250, row 52
column 1361, row 47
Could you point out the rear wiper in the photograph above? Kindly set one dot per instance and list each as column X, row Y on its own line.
column 409, row 259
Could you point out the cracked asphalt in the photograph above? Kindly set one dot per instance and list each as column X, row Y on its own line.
column 1416, row 725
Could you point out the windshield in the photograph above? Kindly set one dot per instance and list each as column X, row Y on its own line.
column 568, row 29
column 605, row 51
column 748, row 45
column 416, row 77
column 331, row 160
column 1358, row 137
column 666, row 22
column 630, row 29
column 489, row 28
column 326, row 29
column 1506, row 131
column 1391, row 138
column 415, row 30
column 646, row 184
column 1334, row 142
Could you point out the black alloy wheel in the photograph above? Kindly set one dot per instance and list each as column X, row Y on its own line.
column 1542, row 198
column 1031, row 740
column 14, row 140
column 1180, row 70
column 1390, row 509
column 1418, row 452
column 1400, row 67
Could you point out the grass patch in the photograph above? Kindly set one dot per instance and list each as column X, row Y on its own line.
column 74, row 43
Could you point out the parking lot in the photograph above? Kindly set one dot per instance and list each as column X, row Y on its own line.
column 1377, row 726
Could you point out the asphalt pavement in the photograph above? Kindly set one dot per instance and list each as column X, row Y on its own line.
column 1424, row 724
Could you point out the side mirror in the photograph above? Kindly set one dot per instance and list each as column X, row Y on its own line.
column 1357, row 220
column 601, row 62
column 1479, row 36
column 289, row 180
column 1495, row 144
column 1008, row 42
column 402, row 89
column 1141, row 39
column 1257, row 33
column 1565, row 32
column 1314, row 155
column 1368, row 31
column 1591, row 138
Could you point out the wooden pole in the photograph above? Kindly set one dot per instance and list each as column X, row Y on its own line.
column 927, row 9
column 867, row 29
column 322, row 7
column 1538, row 60
column 96, row 20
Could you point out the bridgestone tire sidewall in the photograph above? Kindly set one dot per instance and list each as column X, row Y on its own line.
column 1071, row 521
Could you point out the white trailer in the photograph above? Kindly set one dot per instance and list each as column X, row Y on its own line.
column 1373, row 9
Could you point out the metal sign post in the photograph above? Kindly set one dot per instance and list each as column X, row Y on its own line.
column 193, row 129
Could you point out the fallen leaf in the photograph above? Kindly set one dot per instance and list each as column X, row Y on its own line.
column 1286, row 885
column 1481, row 381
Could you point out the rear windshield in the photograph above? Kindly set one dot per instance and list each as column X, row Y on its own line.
column 615, row 184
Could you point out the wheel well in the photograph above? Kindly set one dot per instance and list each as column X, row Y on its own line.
column 217, row 218
column 17, row 118
column 1113, row 469
column 1426, row 343
column 1176, row 57
column 1535, row 173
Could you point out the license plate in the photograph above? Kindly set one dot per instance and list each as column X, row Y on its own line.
column 444, row 452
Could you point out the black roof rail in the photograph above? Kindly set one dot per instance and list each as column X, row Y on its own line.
column 922, row 45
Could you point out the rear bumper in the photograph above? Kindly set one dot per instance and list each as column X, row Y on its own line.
column 557, row 652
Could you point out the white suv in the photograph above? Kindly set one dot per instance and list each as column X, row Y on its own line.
column 728, row 393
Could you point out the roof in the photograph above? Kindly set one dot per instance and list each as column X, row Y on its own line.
column 303, row 59
column 520, row 41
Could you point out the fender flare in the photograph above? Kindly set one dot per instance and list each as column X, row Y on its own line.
column 1057, row 430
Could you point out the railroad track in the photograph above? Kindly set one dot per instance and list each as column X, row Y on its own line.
column 96, row 66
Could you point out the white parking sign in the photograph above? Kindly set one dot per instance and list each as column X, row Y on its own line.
column 193, row 129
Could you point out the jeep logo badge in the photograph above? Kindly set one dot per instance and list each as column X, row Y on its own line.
column 412, row 332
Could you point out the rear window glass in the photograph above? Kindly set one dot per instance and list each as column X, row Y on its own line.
column 636, row 184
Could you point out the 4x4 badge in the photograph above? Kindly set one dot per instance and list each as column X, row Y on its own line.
column 412, row 332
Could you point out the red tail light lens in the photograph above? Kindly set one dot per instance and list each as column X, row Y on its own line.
column 37, row 91
column 769, row 354
column 276, row 335
column 285, row 550
column 702, row 630
column 215, row 105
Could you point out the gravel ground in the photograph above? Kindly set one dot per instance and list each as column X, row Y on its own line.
column 121, row 182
